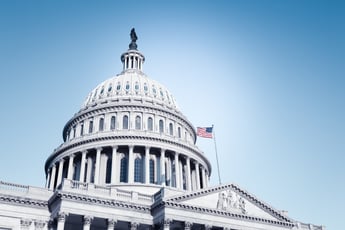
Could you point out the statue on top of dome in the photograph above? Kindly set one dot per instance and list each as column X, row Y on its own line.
column 134, row 38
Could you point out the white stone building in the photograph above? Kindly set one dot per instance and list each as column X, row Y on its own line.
column 129, row 161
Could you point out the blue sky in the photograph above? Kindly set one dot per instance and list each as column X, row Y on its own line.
column 268, row 74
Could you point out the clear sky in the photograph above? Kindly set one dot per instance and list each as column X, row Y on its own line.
column 268, row 74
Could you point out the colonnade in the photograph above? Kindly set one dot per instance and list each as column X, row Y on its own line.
column 111, row 224
column 130, row 164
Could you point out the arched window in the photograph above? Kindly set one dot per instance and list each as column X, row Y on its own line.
column 125, row 122
column 137, row 122
column 179, row 132
column 171, row 129
column 138, row 172
column 101, row 124
column 74, row 130
column 123, row 170
column 161, row 126
column 150, row 124
column 112, row 123
column 90, row 126
column 152, row 171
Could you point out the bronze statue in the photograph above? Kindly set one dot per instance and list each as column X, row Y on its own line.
column 134, row 38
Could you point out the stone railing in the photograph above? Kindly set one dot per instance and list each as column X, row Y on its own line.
column 13, row 187
column 105, row 191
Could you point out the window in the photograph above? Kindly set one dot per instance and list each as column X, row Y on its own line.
column 152, row 171
column 125, row 122
column 110, row 88
column 179, row 132
column 82, row 129
column 136, row 87
column 90, row 126
column 118, row 87
column 101, row 124
column 102, row 90
column 74, row 129
column 112, row 123
column 171, row 129
column 138, row 170
column 161, row 126
column 127, row 86
column 145, row 88
column 123, row 170
column 137, row 122
column 150, row 124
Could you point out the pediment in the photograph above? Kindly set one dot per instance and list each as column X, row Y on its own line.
column 230, row 198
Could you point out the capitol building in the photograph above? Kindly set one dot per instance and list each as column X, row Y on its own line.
column 129, row 160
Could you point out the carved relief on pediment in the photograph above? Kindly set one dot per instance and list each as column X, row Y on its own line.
column 230, row 201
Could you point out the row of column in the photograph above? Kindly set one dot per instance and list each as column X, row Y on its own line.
column 111, row 223
column 184, row 177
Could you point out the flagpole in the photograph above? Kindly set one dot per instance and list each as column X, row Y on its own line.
column 215, row 147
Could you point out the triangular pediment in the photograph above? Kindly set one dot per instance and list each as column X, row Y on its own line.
column 230, row 199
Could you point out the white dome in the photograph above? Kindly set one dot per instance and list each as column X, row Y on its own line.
column 131, row 84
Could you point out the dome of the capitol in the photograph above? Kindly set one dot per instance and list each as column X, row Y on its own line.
column 132, row 84
column 129, row 132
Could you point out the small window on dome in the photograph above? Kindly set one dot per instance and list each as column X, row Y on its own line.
column 110, row 88
column 168, row 96
column 118, row 87
column 127, row 86
column 145, row 88
column 102, row 90
column 154, row 91
column 161, row 92
column 136, row 87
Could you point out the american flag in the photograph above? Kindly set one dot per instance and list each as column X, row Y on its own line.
column 204, row 132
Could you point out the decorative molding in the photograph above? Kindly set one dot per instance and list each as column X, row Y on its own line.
column 188, row 225
column 39, row 224
column 230, row 201
column 20, row 201
column 133, row 225
column 166, row 223
column 84, row 199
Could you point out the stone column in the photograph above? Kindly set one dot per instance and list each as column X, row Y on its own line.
column 197, row 175
column 130, row 164
column 188, row 175
column 147, row 165
column 87, row 222
column 166, row 224
column 113, row 166
column 97, row 166
column 52, row 177
column 208, row 227
column 177, row 171
column 181, row 174
column 70, row 167
column 162, row 167
column 61, row 221
column 39, row 225
column 82, row 166
column 25, row 223
column 111, row 224
column 207, row 178
column 59, row 178
column 133, row 226
column 48, row 178
column 188, row 225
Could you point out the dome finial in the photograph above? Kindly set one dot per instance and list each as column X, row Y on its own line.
column 134, row 38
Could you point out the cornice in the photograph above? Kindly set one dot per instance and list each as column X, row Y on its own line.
column 21, row 201
column 79, row 198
